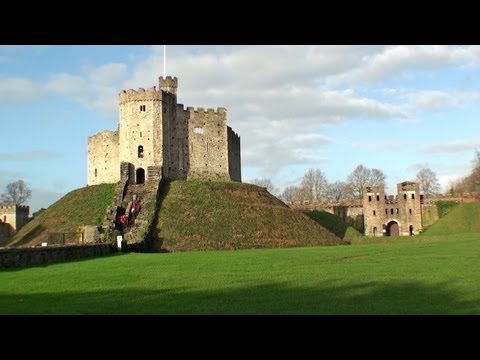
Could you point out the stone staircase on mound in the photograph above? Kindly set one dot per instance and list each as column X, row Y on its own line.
column 146, row 194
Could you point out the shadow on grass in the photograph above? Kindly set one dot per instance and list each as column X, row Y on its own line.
column 55, row 263
column 369, row 298
column 329, row 221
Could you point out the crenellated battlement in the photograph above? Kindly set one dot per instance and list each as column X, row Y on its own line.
column 168, row 84
column 155, row 130
column 232, row 133
column 14, row 208
column 221, row 111
column 168, row 81
column 151, row 94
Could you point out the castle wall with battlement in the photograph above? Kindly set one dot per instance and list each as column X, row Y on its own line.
column 373, row 214
column 380, row 210
column 156, row 131
column 12, row 218
column 140, row 128
column 103, row 154
column 208, row 145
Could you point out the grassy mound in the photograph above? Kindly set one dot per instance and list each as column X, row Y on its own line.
column 194, row 215
column 84, row 206
column 204, row 215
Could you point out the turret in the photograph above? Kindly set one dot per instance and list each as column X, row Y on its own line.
column 168, row 84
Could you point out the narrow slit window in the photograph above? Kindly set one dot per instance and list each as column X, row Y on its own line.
column 397, row 211
column 413, row 196
column 386, row 211
column 378, row 197
column 374, row 213
column 95, row 172
column 143, row 108
column 140, row 151
column 369, row 198
column 410, row 211
column 391, row 211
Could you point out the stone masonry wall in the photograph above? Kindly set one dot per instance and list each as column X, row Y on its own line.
column 208, row 144
column 18, row 257
column 404, row 209
column 103, row 158
column 15, row 216
column 234, row 157
column 374, row 211
column 140, row 126
column 156, row 131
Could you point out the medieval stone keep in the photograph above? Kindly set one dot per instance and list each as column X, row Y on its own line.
column 154, row 130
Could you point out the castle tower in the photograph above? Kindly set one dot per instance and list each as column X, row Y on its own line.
column 374, row 202
column 410, row 205
column 12, row 218
column 140, row 130
column 168, row 84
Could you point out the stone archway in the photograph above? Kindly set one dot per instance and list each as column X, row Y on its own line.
column 393, row 229
column 140, row 176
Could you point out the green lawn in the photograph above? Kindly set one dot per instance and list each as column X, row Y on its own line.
column 424, row 275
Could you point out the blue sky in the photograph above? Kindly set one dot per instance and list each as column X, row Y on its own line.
column 395, row 108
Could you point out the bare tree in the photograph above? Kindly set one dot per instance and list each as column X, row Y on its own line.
column 314, row 184
column 377, row 178
column 428, row 182
column 289, row 193
column 363, row 176
column 266, row 183
column 337, row 190
column 17, row 193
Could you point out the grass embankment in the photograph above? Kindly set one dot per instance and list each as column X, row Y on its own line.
column 461, row 218
column 335, row 225
column 209, row 215
column 84, row 206
column 440, row 275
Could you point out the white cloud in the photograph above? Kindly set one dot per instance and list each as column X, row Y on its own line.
column 452, row 147
column 395, row 61
column 97, row 89
column 16, row 90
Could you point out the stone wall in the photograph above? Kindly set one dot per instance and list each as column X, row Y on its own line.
column 404, row 209
column 234, row 157
column 154, row 130
column 6, row 230
column 12, row 218
column 103, row 155
column 208, row 144
column 374, row 211
column 18, row 257
column 140, row 128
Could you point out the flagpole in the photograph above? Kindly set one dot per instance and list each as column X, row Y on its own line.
column 164, row 61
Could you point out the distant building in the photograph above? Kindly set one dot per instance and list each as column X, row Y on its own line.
column 377, row 214
column 12, row 218
column 154, row 130
column 392, row 215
